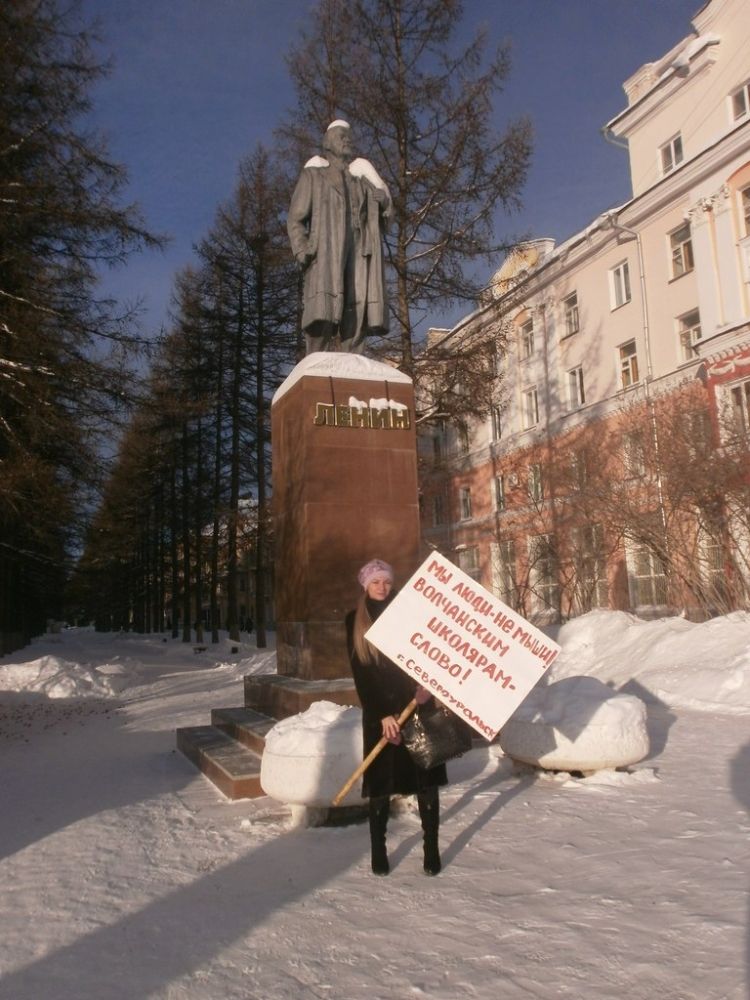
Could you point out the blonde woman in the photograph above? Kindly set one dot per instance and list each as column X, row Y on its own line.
column 384, row 691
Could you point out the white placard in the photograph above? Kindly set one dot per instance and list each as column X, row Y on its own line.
column 474, row 653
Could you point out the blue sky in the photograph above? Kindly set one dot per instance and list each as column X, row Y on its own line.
column 196, row 84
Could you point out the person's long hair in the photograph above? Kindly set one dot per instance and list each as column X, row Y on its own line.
column 366, row 652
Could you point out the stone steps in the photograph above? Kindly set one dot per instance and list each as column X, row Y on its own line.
column 229, row 751
column 244, row 725
column 233, row 768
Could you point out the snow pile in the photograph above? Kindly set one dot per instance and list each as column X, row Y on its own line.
column 577, row 723
column 308, row 757
column 59, row 678
column 701, row 666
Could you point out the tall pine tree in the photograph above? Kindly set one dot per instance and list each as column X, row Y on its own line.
column 60, row 347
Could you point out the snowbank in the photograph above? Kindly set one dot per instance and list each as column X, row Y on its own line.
column 59, row 678
column 700, row 666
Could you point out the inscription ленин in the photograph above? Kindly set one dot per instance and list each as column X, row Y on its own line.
column 375, row 418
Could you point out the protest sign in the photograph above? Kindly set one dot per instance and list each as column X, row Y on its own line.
column 474, row 653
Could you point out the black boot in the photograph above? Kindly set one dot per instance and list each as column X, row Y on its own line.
column 429, row 812
column 378, row 814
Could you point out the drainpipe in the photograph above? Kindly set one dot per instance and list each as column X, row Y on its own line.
column 542, row 307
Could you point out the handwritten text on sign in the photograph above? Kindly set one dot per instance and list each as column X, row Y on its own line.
column 477, row 655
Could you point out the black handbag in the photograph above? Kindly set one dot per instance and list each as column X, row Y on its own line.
column 433, row 734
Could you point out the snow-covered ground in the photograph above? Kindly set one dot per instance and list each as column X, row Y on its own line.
column 126, row 875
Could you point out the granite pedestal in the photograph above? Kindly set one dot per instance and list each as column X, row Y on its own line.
column 344, row 491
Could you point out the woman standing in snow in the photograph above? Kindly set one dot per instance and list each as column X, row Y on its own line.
column 384, row 691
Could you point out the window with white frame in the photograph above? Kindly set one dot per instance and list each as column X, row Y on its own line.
column 497, row 423
column 468, row 560
column 619, row 281
column 745, row 208
column 530, row 411
column 464, row 502
column 700, row 434
column 527, row 339
column 590, row 563
column 628, row 360
column 634, row 454
column 681, row 249
column 536, row 484
column 579, row 472
column 671, row 154
column 739, row 407
column 504, row 571
column 576, row 392
column 570, row 314
column 689, row 329
column 741, row 102
column 499, row 490
column 544, row 577
column 648, row 580
column 713, row 570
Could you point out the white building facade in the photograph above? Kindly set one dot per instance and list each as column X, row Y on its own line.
column 613, row 468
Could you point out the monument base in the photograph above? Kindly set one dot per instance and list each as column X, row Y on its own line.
column 279, row 697
column 344, row 492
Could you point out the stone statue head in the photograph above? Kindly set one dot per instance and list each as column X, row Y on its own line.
column 337, row 140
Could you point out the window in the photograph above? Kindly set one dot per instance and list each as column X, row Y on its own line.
column 468, row 560
column 439, row 442
column 463, row 439
column 620, row 284
column 741, row 102
column 527, row 340
column 576, row 393
column 536, row 485
column 530, row 408
column 497, row 424
column 745, row 204
column 689, row 327
column 634, row 454
column 628, row 364
column 671, row 154
column 544, row 577
column 579, row 472
column 438, row 510
column 504, row 571
column 681, row 246
column 499, row 488
column 590, row 566
column 739, row 396
column 464, row 502
column 713, row 571
column 647, row 577
column 570, row 312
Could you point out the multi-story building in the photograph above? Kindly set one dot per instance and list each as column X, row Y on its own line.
column 613, row 469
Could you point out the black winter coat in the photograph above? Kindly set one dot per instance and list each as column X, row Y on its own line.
column 384, row 689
